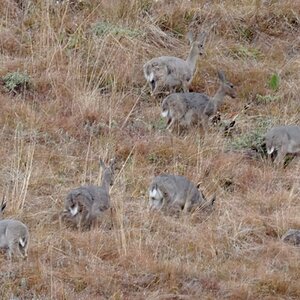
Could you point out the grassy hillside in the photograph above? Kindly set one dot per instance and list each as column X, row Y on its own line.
column 72, row 90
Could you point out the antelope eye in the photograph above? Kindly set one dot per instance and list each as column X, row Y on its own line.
column 231, row 85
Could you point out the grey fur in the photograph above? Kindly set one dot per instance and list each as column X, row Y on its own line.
column 292, row 236
column 283, row 139
column 14, row 235
column 175, row 193
column 172, row 72
column 187, row 109
column 85, row 204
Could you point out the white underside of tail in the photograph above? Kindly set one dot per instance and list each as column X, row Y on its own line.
column 154, row 193
column 22, row 242
column 150, row 77
column 74, row 210
column 270, row 151
column 165, row 113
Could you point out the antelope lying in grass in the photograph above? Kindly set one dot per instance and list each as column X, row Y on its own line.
column 14, row 235
column 171, row 72
column 284, row 140
column 85, row 204
column 176, row 193
column 187, row 109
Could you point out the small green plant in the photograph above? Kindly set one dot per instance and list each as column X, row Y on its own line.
column 16, row 82
column 153, row 158
column 274, row 82
column 75, row 40
column 160, row 124
column 104, row 28
column 248, row 141
column 254, row 139
column 246, row 33
column 266, row 98
column 244, row 52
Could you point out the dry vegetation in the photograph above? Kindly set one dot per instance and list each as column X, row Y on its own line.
column 85, row 97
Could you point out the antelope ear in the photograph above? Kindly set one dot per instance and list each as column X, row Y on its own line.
column 221, row 76
column 3, row 205
column 190, row 37
column 102, row 164
column 112, row 163
column 202, row 37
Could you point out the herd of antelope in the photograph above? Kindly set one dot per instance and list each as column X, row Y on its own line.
column 182, row 110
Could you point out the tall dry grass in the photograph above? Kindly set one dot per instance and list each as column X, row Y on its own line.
column 88, row 99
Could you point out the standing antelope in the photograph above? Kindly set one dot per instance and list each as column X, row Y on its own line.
column 172, row 72
column 187, row 109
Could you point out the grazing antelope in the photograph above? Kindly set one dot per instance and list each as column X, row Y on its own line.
column 174, row 192
column 85, row 204
column 14, row 235
column 283, row 139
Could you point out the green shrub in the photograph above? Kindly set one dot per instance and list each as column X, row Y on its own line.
column 253, row 139
column 246, row 33
column 104, row 28
column 242, row 52
column 266, row 98
column 274, row 82
column 16, row 82
column 159, row 124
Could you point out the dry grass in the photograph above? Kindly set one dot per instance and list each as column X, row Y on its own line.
column 87, row 99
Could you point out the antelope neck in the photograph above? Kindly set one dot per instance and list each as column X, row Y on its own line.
column 192, row 58
column 219, row 96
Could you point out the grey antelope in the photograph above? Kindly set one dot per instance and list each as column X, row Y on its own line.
column 176, row 193
column 14, row 235
column 283, row 139
column 171, row 72
column 187, row 109
column 85, row 204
